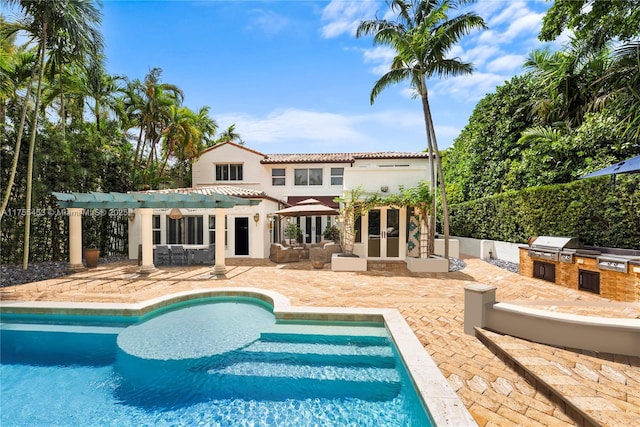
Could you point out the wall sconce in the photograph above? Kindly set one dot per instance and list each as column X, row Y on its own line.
column 175, row 213
column 256, row 217
column 132, row 216
column 384, row 188
column 271, row 221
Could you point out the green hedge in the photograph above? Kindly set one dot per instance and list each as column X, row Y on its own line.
column 594, row 210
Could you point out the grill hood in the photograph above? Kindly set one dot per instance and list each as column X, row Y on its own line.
column 556, row 243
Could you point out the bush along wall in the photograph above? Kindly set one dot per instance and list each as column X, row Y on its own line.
column 595, row 210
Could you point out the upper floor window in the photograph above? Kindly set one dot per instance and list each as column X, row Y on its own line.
column 277, row 177
column 229, row 172
column 308, row 176
column 336, row 176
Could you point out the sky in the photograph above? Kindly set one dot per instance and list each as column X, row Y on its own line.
column 292, row 76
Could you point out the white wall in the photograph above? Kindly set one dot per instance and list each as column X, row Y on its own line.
column 505, row 251
column 253, row 173
column 374, row 174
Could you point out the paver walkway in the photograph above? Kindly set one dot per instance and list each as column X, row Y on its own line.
column 606, row 391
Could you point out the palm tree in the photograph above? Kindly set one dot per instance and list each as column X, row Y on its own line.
column 570, row 77
column 230, row 135
column 421, row 37
column 149, row 104
column 44, row 20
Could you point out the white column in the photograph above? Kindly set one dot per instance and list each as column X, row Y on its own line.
column 146, row 239
column 75, row 239
column 220, row 269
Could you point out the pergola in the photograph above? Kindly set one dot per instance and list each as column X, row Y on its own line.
column 144, row 203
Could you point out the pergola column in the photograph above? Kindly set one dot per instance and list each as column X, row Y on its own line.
column 146, row 238
column 220, row 269
column 75, row 239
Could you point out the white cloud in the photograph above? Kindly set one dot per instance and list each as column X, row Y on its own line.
column 506, row 64
column 343, row 17
column 267, row 21
column 468, row 88
column 381, row 58
column 306, row 131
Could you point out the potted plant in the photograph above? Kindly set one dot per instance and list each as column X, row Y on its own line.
column 332, row 233
column 293, row 232
column 91, row 255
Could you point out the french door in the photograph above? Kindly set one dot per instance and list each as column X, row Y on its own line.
column 385, row 237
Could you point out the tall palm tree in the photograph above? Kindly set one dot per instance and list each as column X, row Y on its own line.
column 149, row 103
column 422, row 36
column 44, row 20
column 230, row 135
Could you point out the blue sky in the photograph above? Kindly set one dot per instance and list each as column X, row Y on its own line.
column 294, row 79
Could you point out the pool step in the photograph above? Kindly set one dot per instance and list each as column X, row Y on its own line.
column 319, row 354
column 327, row 334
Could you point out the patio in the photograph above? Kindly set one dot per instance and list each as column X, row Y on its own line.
column 554, row 386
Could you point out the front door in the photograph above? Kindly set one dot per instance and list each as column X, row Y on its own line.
column 384, row 234
column 242, row 236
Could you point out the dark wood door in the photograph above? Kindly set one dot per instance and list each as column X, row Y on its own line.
column 242, row 236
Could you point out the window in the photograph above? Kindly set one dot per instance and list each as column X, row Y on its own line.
column 187, row 230
column 155, row 221
column 308, row 176
column 212, row 229
column 336, row 176
column 229, row 172
column 277, row 177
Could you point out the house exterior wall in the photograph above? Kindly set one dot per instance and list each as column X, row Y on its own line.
column 374, row 175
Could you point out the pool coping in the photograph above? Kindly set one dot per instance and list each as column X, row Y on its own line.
column 444, row 405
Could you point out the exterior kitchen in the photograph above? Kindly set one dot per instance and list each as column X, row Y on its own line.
column 609, row 272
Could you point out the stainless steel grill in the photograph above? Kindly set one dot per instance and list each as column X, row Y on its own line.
column 551, row 248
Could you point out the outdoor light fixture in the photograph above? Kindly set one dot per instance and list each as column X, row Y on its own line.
column 256, row 217
column 384, row 188
column 175, row 213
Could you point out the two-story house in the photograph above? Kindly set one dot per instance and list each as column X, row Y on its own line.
column 281, row 180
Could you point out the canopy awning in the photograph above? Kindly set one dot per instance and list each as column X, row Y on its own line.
column 95, row 200
column 625, row 166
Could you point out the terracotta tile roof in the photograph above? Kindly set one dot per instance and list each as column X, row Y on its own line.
column 227, row 190
column 339, row 157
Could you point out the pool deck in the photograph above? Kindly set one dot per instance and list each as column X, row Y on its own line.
column 502, row 380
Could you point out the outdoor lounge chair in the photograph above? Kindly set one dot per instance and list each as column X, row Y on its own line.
column 279, row 254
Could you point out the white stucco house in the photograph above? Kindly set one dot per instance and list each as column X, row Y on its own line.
column 281, row 180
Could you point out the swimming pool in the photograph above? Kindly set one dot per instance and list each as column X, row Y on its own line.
column 212, row 361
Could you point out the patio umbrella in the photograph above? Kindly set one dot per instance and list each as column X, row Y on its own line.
column 309, row 207
column 626, row 166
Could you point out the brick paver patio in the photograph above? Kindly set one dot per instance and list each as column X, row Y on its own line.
column 501, row 386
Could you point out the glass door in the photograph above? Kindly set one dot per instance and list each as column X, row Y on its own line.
column 384, row 233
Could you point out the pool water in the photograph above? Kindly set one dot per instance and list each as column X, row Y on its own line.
column 219, row 363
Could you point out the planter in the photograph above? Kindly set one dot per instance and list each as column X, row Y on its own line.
column 91, row 256
column 317, row 264
column 348, row 263
column 434, row 264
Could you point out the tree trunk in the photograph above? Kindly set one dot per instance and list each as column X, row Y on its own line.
column 432, row 178
column 32, row 143
column 16, row 154
column 443, row 192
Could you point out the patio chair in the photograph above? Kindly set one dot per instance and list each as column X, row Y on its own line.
column 178, row 255
column 161, row 255
column 204, row 256
column 279, row 253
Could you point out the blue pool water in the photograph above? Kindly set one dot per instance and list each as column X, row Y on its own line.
column 219, row 363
